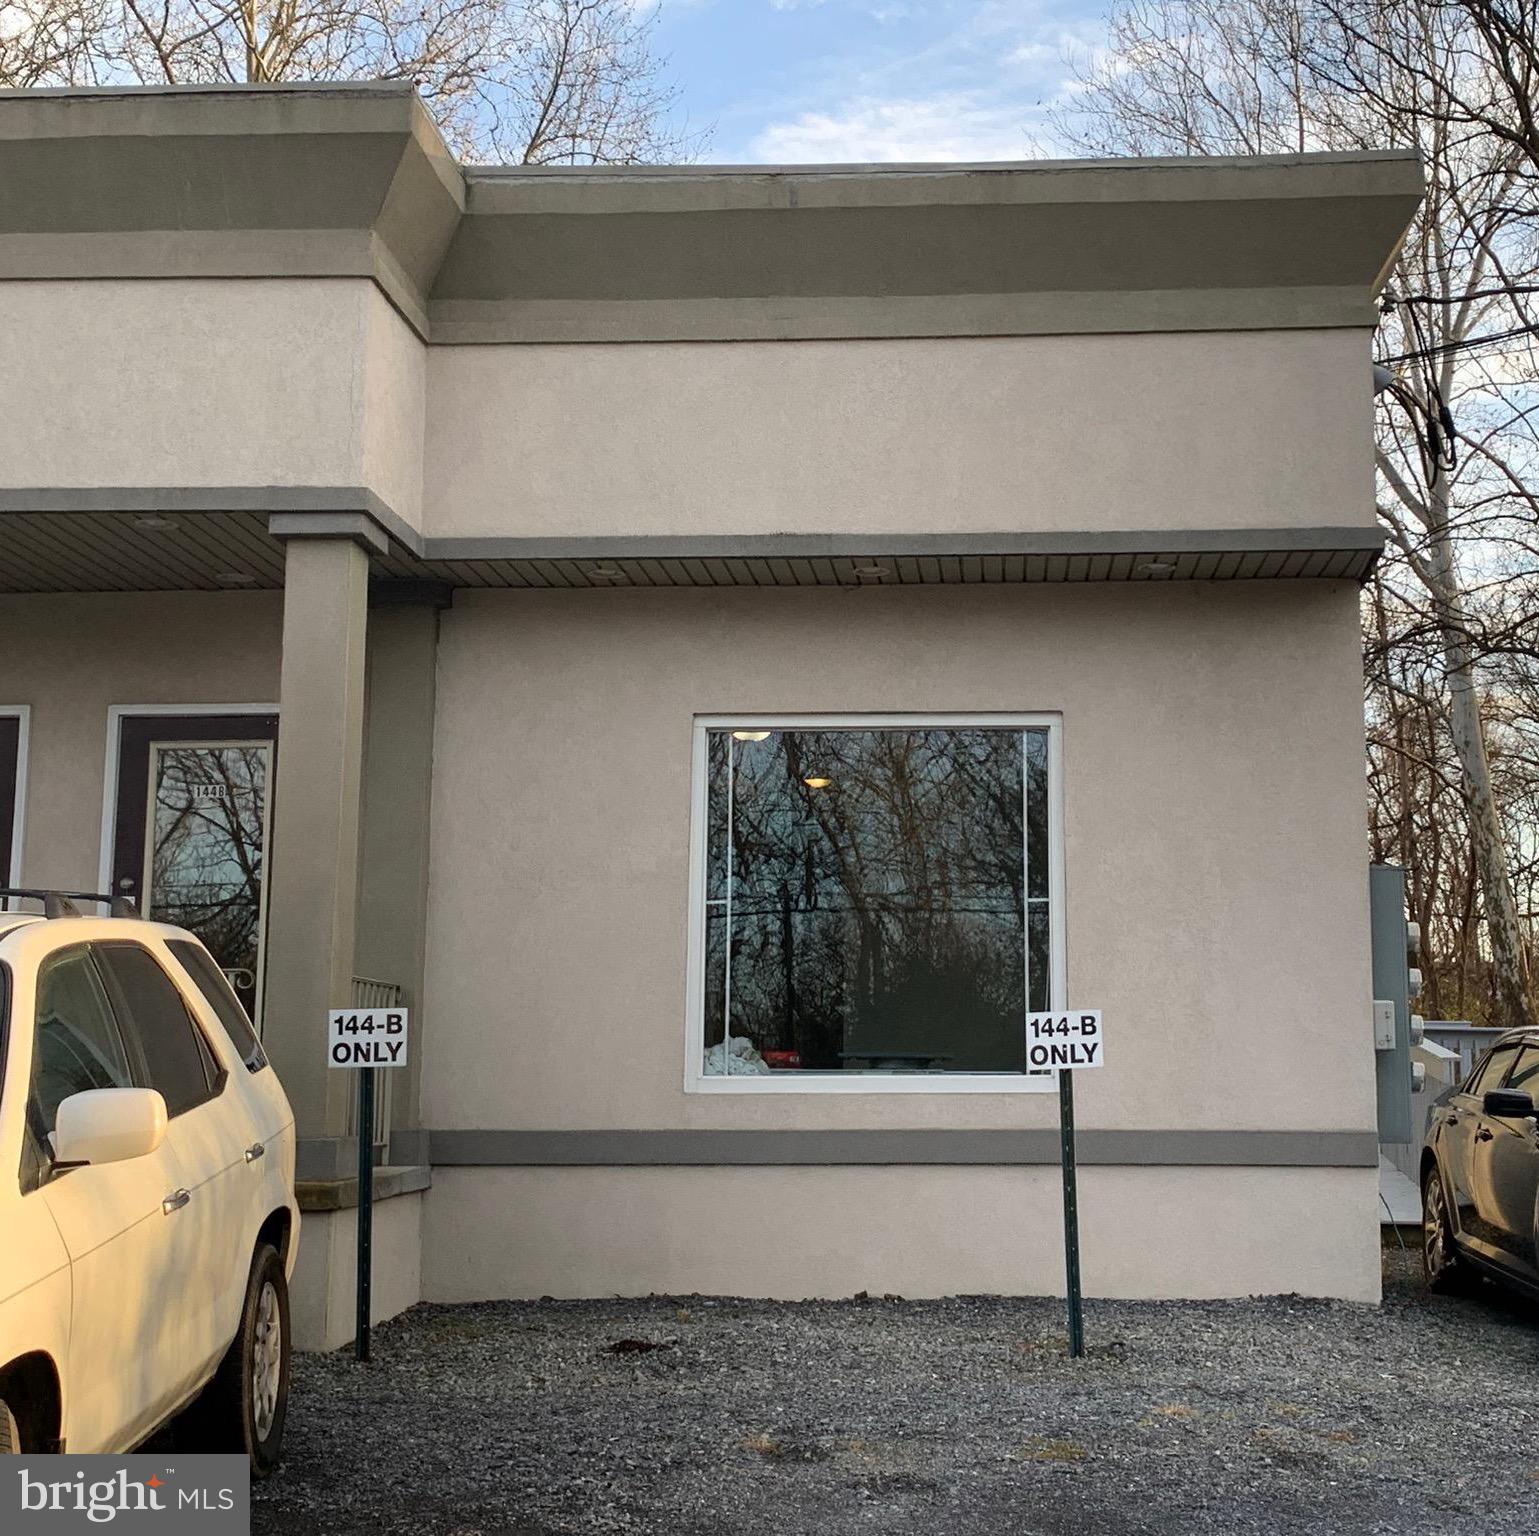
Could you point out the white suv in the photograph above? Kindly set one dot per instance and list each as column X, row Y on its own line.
column 148, row 1227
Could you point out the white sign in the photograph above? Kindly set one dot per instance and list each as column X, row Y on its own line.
column 1064, row 1041
column 366, row 1037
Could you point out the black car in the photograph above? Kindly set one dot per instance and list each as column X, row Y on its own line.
column 1480, row 1172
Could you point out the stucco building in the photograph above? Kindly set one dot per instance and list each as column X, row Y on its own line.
column 719, row 643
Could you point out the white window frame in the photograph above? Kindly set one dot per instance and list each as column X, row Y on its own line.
column 696, row 1080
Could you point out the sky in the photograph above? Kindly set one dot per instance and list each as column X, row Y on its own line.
column 842, row 80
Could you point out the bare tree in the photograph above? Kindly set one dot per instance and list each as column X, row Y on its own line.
column 535, row 81
column 1487, row 82
column 1459, row 495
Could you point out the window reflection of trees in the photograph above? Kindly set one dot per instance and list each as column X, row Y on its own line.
column 882, row 920
column 207, row 850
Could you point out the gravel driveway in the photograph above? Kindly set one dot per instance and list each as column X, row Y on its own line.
column 754, row 1418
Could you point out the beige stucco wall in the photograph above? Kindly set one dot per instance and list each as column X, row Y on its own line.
column 70, row 657
column 1215, row 851
column 805, row 1232
column 1176, row 430
column 324, row 1289
column 210, row 382
column 393, row 385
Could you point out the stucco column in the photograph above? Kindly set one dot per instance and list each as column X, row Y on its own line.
column 312, row 881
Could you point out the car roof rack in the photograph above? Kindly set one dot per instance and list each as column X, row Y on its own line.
column 62, row 903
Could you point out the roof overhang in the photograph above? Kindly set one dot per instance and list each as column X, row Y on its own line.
column 354, row 181
column 228, row 181
column 147, row 540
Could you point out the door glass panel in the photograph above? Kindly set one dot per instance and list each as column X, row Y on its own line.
column 205, row 846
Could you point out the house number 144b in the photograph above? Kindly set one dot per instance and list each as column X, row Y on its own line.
column 366, row 1037
column 1066, row 1041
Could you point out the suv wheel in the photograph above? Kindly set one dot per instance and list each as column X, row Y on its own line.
column 1442, row 1264
column 10, row 1434
column 244, row 1406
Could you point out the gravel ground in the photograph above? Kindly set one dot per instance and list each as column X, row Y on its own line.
column 753, row 1418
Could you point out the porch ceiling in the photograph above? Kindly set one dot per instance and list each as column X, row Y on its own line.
column 236, row 550
column 137, row 552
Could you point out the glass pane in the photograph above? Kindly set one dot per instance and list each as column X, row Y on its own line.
column 78, row 1045
column 1495, row 1069
column 176, row 1059
column 208, row 824
column 216, row 991
column 1525, row 1075
column 1039, row 962
column 1036, row 819
column 873, row 888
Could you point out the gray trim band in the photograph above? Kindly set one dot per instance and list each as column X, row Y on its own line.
column 716, row 1148
column 514, row 321
column 187, row 498
column 1368, row 538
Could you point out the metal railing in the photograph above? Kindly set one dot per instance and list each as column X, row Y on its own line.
column 370, row 992
column 1466, row 1040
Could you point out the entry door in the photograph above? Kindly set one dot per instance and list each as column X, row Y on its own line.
column 194, row 810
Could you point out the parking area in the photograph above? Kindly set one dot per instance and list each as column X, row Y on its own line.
column 692, row 1416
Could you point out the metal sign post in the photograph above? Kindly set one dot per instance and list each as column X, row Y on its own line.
column 1065, row 1043
column 365, row 1209
column 365, row 1039
column 1070, row 1213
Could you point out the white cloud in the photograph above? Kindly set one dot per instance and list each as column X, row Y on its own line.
column 980, row 88
column 955, row 125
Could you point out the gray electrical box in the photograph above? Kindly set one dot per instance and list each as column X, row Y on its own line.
column 1394, row 981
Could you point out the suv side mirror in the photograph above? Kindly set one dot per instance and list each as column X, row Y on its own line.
column 1508, row 1103
column 108, row 1125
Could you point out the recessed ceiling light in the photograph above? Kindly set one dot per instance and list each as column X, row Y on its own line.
column 1157, row 567
column 872, row 572
column 749, row 735
column 605, row 573
column 235, row 578
column 816, row 782
column 153, row 522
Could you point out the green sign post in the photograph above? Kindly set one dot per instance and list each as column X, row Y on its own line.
column 362, row 1040
column 1065, row 1043
column 1070, row 1213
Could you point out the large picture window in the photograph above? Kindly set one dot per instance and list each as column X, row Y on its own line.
column 876, row 902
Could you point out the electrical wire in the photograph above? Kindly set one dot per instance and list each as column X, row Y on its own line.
column 1466, row 344
column 1394, row 1226
column 1430, row 416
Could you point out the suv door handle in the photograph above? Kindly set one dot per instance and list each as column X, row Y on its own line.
column 254, row 1151
column 174, row 1201
column 1485, row 1133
